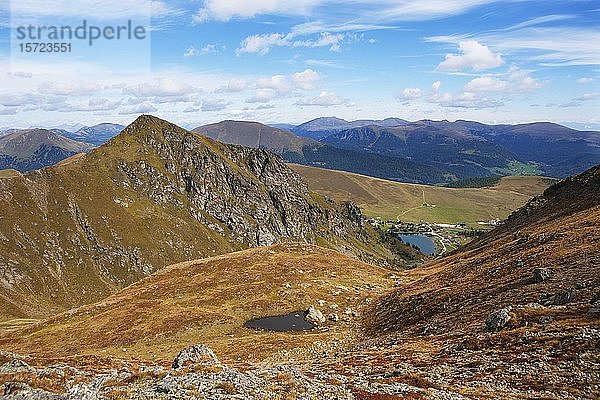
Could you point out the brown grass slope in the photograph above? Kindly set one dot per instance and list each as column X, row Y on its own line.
column 153, row 196
column 559, row 230
column 254, row 134
column 208, row 301
column 391, row 200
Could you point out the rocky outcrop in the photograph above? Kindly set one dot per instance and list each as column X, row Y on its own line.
column 194, row 355
column 498, row 319
column 206, row 377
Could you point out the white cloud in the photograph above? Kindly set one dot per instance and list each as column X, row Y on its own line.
column 214, row 104
column 262, row 96
column 549, row 46
column 278, row 83
column 262, row 44
column 521, row 80
column 143, row 108
column 411, row 93
column 311, row 35
column 333, row 41
column 224, row 10
column 306, row 80
column 486, row 84
column 232, row 86
column 589, row 96
column 584, row 80
column 473, row 55
column 324, row 99
column 464, row 100
column 193, row 51
column 381, row 10
column 68, row 89
column 436, row 86
column 168, row 89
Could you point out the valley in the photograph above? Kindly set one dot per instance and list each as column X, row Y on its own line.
column 396, row 201
column 96, row 303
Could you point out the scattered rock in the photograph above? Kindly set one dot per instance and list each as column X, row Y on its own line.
column 14, row 366
column 563, row 297
column 595, row 308
column 193, row 355
column 333, row 317
column 314, row 316
column 558, row 299
column 544, row 319
column 541, row 274
column 498, row 319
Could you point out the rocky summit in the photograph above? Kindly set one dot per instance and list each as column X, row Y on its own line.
column 155, row 195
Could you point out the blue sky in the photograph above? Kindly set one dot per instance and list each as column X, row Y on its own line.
column 281, row 61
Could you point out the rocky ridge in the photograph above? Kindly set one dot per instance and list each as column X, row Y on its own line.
column 153, row 196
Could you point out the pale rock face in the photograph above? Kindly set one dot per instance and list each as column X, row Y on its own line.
column 314, row 316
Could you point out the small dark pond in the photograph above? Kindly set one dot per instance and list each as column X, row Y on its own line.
column 424, row 243
column 283, row 323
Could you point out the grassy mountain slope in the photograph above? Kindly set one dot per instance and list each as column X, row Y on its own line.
column 209, row 300
column 558, row 230
column 389, row 200
column 25, row 150
column 153, row 196
column 255, row 135
column 9, row 173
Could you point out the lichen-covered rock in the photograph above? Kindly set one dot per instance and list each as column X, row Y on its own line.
column 541, row 274
column 498, row 319
column 197, row 354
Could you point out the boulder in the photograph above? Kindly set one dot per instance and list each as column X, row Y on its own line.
column 314, row 316
column 498, row 319
column 197, row 354
column 563, row 297
column 541, row 274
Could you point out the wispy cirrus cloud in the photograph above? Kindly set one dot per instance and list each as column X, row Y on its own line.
column 534, row 41
column 360, row 10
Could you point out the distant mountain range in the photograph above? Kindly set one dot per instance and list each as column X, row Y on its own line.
column 320, row 128
column 426, row 151
column 25, row 150
column 469, row 149
column 300, row 150
column 97, row 134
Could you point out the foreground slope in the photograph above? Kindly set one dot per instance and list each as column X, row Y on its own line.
column 209, row 300
column 26, row 150
column 391, row 200
column 153, row 196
